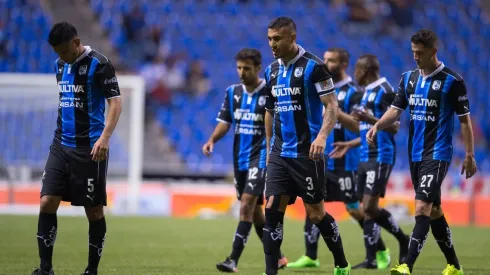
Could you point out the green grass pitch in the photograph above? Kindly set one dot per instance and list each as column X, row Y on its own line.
column 177, row 246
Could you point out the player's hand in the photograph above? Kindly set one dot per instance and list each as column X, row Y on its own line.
column 317, row 148
column 339, row 150
column 100, row 149
column 360, row 115
column 469, row 166
column 371, row 135
column 207, row 149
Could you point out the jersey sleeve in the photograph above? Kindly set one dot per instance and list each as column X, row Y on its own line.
column 387, row 100
column 459, row 97
column 400, row 101
column 269, row 98
column 322, row 80
column 105, row 76
column 355, row 100
column 224, row 114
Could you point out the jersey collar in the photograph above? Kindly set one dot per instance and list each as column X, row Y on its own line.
column 258, row 88
column 292, row 61
column 343, row 82
column 436, row 71
column 376, row 83
column 84, row 54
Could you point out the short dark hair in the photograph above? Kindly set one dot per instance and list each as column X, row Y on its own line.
column 282, row 22
column 425, row 37
column 61, row 32
column 344, row 55
column 249, row 54
column 371, row 62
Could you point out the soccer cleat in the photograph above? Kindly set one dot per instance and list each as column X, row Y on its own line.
column 383, row 259
column 39, row 271
column 366, row 265
column 283, row 262
column 304, row 262
column 401, row 269
column 342, row 271
column 229, row 265
column 452, row 270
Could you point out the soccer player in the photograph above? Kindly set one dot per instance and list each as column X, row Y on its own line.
column 340, row 171
column 299, row 86
column 76, row 167
column 434, row 93
column 244, row 108
column 377, row 159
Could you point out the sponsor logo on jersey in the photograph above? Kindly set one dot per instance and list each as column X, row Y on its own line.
column 281, row 90
column 82, row 70
column 436, row 85
column 298, row 72
column 417, row 100
column 326, row 85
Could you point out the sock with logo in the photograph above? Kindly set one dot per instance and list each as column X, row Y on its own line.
column 443, row 236
column 417, row 239
column 272, row 239
column 240, row 239
column 47, row 228
column 330, row 233
column 312, row 234
column 96, row 239
column 381, row 244
column 259, row 228
column 386, row 220
column 371, row 237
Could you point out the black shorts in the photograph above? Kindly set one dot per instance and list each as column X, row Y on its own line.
column 251, row 181
column 341, row 186
column 372, row 178
column 296, row 177
column 427, row 178
column 72, row 174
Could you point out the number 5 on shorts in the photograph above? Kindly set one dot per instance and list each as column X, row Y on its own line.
column 309, row 182
column 91, row 186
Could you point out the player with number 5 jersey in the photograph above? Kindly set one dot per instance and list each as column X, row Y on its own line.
column 243, row 109
column 433, row 93
column 76, row 167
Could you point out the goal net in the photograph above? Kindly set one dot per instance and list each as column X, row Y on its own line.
column 28, row 114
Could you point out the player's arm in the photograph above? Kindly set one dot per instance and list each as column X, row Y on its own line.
column 105, row 76
column 268, row 129
column 459, row 96
column 325, row 88
column 348, row 121
column 224, row 124
column 390, row 121
column 341, row 147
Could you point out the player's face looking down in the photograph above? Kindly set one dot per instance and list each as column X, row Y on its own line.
column 68, row 51
column 281, row 41
column 335, row 67
column 360, row 72
column 423, row 56
column 247, row 71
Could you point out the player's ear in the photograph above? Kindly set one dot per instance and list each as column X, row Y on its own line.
column 293, row 36
column 258, row 68
column 76, row 41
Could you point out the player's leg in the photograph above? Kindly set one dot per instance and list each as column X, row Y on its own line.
column 310, row 259
column 376, row 179
column 259, row 222
column 277, row 193
column 88, row 189
column 309, row 179
column 54, row 187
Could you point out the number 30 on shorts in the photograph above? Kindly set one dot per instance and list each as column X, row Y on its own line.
column 345, row 183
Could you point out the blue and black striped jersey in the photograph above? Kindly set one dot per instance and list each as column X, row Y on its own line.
column 294, row 91
column 246, row 111
column 83, row 88
column 433, row 100
column 348, row 96
column 376, row 100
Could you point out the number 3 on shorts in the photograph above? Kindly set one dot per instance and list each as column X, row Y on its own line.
column 309, row 182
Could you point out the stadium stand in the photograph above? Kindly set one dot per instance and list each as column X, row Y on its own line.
column 213, row 31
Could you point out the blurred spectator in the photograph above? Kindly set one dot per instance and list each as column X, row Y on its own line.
column 401, row 12
column 175, row 78
column 3, row 42
column 154, row 73
column 197, row 79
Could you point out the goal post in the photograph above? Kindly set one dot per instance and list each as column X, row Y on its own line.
column 28, row 113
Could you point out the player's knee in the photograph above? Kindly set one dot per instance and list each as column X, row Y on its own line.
column 423, row 208
column 316, row 216
column 259, row 217
column 370, row 209
column 247, row 210
column 49, row 204
column 94, row 213
column 436, row 212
